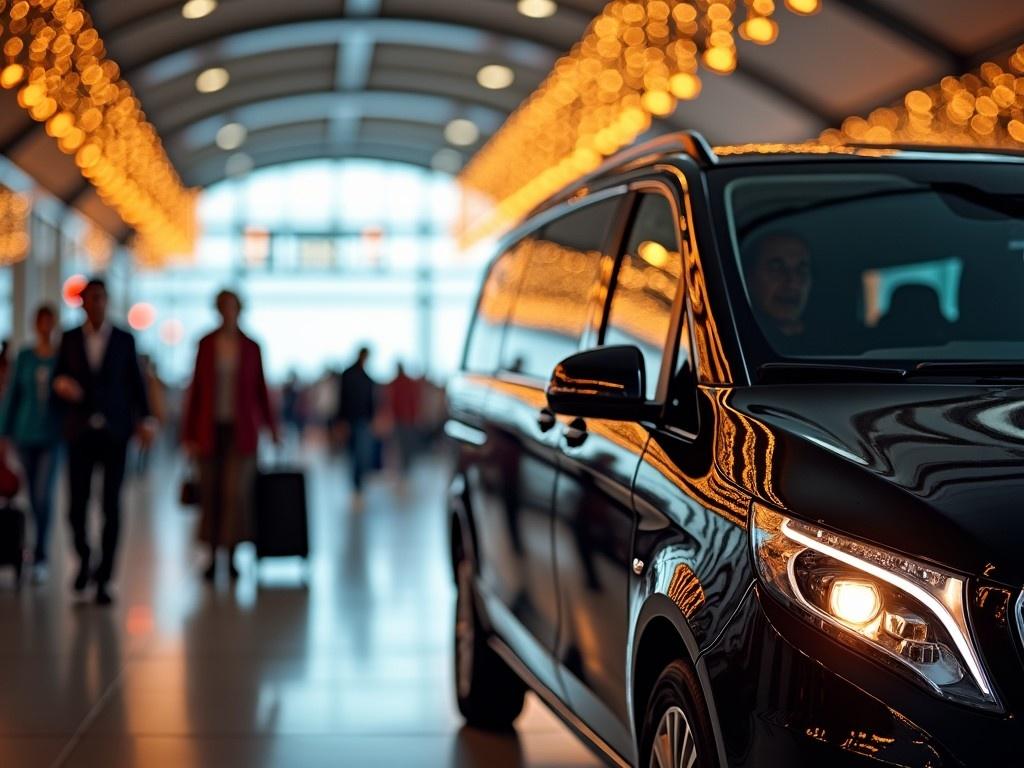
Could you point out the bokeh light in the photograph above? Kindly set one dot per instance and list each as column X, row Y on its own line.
column 72, row 289
column 141, row 316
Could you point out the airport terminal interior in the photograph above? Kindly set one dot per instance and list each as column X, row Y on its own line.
column 339, row 171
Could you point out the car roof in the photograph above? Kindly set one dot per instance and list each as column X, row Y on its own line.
column 694, row 146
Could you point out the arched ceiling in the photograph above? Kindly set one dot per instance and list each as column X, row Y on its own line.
column 382, row 78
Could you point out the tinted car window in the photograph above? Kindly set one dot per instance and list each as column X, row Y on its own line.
column 646, row 284
column 908, row 262
column 496, row 299
column 562, row 274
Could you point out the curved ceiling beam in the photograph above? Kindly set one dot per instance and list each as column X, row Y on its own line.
column 453, row 38
column 211, row 172
column 434, row 109
column 171, row 116
column 420, row 108
column 912, row 33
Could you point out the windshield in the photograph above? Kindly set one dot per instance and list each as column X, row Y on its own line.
column 899, row 261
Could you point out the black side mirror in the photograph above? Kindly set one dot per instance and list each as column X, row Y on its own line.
column 604, row 383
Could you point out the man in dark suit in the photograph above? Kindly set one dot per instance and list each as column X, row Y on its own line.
column 356, row 409
column 98, row 379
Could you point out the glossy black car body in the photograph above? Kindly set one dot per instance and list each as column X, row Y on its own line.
column 602, row 548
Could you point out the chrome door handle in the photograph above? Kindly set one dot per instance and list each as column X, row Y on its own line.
column 546, row 420
column 576, row 433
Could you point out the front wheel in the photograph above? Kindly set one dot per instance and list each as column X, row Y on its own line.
column 676, row 729
column 490, row 694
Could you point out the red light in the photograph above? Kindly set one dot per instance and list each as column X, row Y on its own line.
column 72, row 291
column 172, row 332
column 141, row 316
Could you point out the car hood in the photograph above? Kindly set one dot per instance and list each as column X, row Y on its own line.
column 934, row 471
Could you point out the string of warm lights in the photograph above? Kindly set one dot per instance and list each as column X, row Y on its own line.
column 637, row 60
column 56, row 60
column 983, row 108
column 14, row 236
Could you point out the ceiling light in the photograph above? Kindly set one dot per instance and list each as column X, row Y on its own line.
column 495, row 77
column 804, row 7
column 238, row 164
column 447, row 160
column 461, row 132
column 212, row 80
column 197, row 9
column 231, row 136
column 537, row 9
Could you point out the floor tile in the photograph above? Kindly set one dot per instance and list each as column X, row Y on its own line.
column 344, row 660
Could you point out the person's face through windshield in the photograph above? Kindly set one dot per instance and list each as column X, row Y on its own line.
column 779, row 281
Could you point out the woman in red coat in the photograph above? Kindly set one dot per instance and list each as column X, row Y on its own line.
column 226, row 407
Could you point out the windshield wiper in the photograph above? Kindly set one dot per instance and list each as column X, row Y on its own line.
column 980, row 369
column 784, row 373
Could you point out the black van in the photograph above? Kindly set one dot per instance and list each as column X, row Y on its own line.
column 741, row 460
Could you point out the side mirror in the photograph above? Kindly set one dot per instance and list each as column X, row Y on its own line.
column 604, row 383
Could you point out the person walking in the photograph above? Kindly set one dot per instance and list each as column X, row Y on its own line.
column 357, row 407
column 5, row 363
column 28, row 420
column 99, row 383
column 404, row 398
column 226, row 407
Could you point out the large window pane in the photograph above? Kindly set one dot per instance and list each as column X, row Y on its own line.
column 308, row 195
column 348, row 241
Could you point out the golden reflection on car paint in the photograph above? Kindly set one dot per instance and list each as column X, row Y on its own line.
column 711, row 490
column 995, row 600
column 744, row 448
column 561, row 382
column 685, row 590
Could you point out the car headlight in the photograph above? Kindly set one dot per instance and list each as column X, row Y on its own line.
column 906, row 614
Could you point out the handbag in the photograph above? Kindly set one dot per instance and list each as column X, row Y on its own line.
column 10, row 483
column 189, row 495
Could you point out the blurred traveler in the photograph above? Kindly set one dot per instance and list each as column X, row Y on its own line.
column 157, row 393
column 225, row 409
column 5, row 363
column 99, row 381
column 27, row 418
column 404, row 397
column 292, row 406
column 357, row 407
column 156, row 389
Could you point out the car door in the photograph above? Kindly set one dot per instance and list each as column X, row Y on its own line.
column 561, row 273
column 594, row 517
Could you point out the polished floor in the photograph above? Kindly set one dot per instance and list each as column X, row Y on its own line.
column 347, row 663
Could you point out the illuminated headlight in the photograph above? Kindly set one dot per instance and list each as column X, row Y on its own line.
column 906, row 614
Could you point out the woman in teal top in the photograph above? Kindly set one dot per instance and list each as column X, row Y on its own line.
column 28, row 420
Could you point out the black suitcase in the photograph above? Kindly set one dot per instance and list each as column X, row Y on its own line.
column 281, row 525
column 12, row 538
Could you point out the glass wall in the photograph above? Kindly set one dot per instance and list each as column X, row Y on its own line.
column 6, row 301
column 327, row 255
column 63, row 243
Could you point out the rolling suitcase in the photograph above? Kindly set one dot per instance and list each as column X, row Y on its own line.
column 12, row 538
column 281, row 525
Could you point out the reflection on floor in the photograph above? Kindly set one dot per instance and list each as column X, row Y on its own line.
column 347, row 664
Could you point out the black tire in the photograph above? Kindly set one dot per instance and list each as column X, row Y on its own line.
column 489, row 693
column 678, row 692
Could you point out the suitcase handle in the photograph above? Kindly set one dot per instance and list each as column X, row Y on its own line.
column 276, row 456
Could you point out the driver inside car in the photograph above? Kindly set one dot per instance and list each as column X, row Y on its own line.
column 778, row 277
